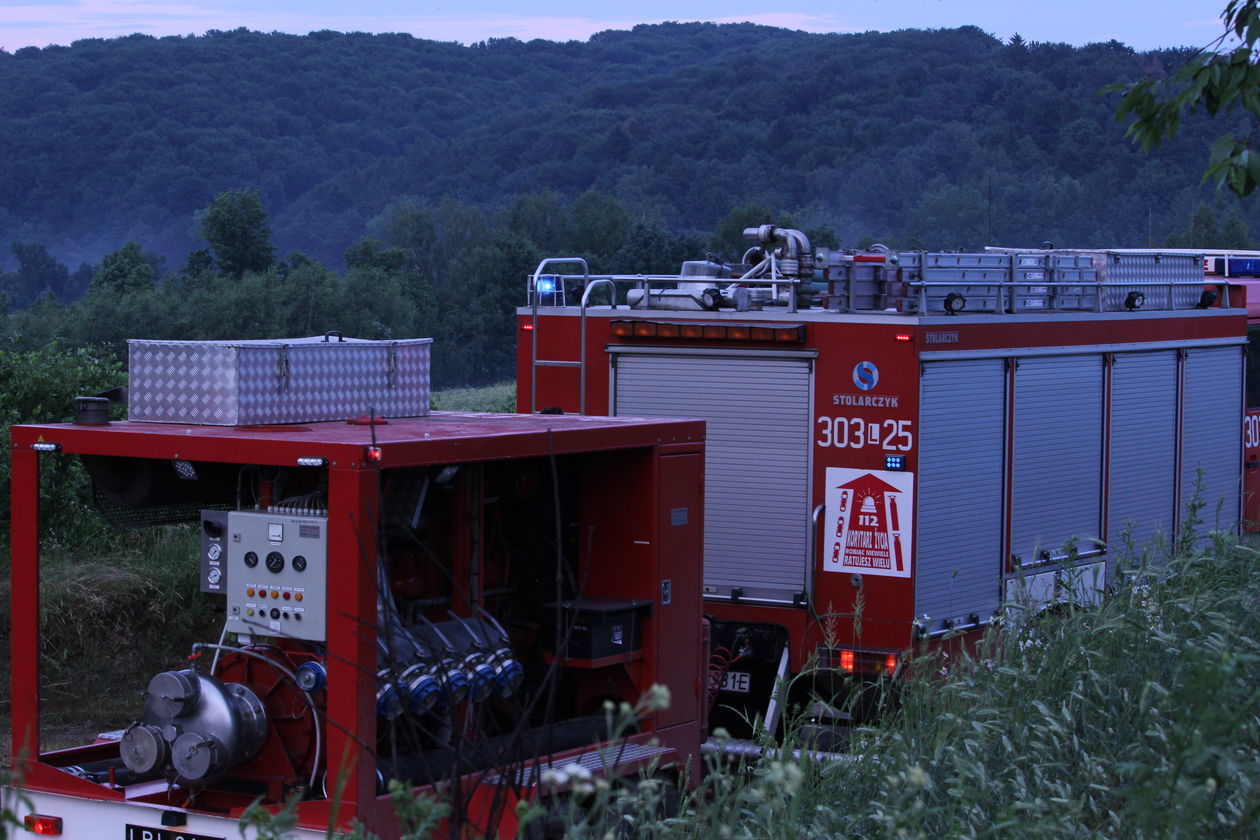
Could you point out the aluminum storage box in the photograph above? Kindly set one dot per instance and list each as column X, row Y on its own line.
column 300, row 380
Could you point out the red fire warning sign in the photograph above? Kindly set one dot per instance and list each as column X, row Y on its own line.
column 869, row 522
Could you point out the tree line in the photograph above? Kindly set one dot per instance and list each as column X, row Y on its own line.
column 939, row 139
column 449, row 272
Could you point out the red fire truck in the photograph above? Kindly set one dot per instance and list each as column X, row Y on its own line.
column 902, row 446
column 449, row 598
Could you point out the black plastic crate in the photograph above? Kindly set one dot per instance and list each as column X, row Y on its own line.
column 598, row 627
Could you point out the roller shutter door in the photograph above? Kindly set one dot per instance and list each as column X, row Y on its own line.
column 1143, row 451
column 756, row 459
column 1211, row 437
column 961, row 453
column 1056, row 475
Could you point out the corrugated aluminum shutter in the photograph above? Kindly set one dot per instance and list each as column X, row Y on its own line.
column 1056, row 487
column 756, row 459
column 1211, row 436
column 1143, row 450
column 962, row 430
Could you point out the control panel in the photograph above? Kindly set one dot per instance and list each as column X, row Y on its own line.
column 214, row 542
column 277, row 568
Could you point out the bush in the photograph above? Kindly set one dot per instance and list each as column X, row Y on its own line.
column 39, row 386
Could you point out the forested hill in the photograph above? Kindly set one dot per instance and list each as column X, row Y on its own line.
column 943, row 138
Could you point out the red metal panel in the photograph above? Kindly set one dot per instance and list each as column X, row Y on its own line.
column 1251, row 474
column 859, row 418
column 680, row 547
column 24, row 603
column 443, row 437
column 351, row 730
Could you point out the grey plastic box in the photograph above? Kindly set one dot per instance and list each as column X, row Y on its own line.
column 264, row 382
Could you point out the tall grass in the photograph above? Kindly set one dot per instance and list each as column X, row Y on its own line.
column 1139, row 718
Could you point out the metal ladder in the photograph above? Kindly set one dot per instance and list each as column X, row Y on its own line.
column 589, row 285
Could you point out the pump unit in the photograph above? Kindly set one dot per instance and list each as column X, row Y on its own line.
column 397, row 601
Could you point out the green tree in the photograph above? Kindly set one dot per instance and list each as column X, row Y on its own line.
column 235, row 224
column 1219, row 79
column 1235, row 233
column 600, row 224
column 542, row 219
column 729, row 242
column 124, row 270
column 38, row 274
column 39, row 386
column 369, row 253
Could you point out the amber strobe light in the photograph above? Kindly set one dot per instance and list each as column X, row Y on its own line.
column 785, row 334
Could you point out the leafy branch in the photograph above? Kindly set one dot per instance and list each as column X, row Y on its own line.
column 1218, row 79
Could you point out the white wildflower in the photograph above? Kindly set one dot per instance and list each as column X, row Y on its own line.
column 656, row 698
column 576, row 771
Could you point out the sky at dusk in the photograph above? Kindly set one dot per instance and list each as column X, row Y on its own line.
column 1142, row 25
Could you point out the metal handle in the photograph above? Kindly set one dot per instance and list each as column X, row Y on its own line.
column 282, row 368
column 812, row 542
column 586, row 296
column 331, row 333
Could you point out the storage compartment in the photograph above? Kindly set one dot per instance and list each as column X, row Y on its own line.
column 301, row 380
column 596, row 628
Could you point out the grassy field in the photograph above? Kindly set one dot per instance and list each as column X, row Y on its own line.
column 497, row 398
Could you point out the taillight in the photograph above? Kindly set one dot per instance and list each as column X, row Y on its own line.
column 43, row 824
column 847, row 660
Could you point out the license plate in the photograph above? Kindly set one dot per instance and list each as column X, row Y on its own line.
column 140, row 832
column 739, row 682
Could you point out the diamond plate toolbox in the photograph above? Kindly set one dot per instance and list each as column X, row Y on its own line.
column 259, row 382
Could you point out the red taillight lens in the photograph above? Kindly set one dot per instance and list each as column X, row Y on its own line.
column 890, row 663
column 374, row 453
column 43, row 824
column 847, row 660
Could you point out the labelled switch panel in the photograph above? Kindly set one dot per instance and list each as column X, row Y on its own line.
column 214, row 542
column 277, row 565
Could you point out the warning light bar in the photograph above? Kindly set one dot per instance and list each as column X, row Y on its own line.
column 783, row 334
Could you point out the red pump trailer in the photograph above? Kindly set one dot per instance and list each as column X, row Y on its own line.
column 529, row 570
column 903, row 446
